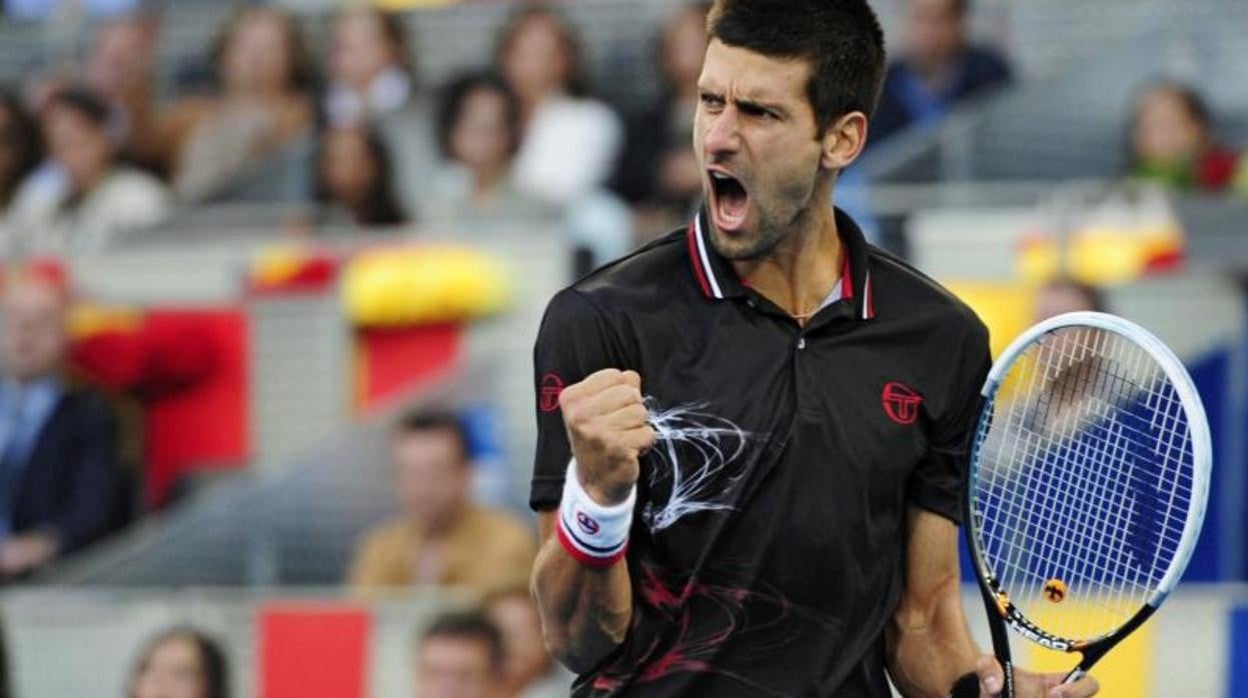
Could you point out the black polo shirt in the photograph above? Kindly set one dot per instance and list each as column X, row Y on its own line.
column 767, row 548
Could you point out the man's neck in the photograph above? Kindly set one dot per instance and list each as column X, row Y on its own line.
column 800, row 273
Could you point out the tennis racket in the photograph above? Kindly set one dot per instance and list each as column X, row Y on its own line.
column 1088, row 478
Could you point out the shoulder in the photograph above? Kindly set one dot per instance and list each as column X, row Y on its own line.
column 634, row 281
column 388, row 536
column 902, row 290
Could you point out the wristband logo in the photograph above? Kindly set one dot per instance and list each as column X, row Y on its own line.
column 548, row 393
column 587, row 523
column 901, row 403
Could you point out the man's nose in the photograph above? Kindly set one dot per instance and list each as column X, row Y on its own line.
column 722, row 135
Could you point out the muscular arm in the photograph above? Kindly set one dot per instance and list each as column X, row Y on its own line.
column 929, row 643
column 585, row 611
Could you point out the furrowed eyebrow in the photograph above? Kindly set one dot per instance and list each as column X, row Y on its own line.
column 760, row 107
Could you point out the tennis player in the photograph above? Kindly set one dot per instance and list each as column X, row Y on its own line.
column 752, row 431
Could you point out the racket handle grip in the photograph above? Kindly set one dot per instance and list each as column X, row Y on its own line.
column 966, row 687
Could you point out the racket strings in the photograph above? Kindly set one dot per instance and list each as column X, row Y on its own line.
column 1084, row 478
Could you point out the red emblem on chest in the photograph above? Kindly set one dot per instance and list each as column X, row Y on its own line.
column 548, row 400
column 901, row 404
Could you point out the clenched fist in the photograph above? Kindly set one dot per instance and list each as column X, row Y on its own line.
column 607, row 426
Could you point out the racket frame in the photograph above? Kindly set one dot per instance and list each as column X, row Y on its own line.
column 1001, row 611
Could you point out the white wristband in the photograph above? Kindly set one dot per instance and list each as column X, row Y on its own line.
column 594, row 534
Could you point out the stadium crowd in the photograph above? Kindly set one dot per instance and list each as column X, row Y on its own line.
column 89, row 157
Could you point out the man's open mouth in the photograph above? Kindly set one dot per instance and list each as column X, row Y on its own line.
column 731, row 202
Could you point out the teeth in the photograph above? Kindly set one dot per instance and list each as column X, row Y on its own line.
column 720, row 176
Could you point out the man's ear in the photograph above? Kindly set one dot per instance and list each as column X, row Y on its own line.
column 844, row 140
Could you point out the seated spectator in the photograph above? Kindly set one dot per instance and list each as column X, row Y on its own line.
column 658, row 173
column 120, row 69
column 355, row 181
column 372, row 82
column 262, row 105
column 369, row 66
column 460, row 656
column 939, row 67
column 101, row 198
column 19, row 147
column 528, row 669
column 180, row 663
column 1173, row 144
column 441, row 538
column 570, row 141
column 478, row 135
column 60, row 484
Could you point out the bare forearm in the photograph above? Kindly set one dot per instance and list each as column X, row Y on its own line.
column 930, row 645
column 585, row 611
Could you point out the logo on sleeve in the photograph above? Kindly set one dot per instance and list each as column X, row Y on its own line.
column 548, row 393
column 901, row 404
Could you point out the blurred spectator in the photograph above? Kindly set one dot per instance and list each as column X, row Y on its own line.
column 120, row 69
column 441, row 538
column 939, row 67
column 460, row 656
column 478, row 135
column 528, row 669
column 658, row 173
column 60, row 484
column 1063, row 296
column 355, row 179
column 1173, row 144
column 100, row 200
column 19, row 147
column 180, row 663
column 261, row 106
column 570, row 141
column 369, row 66
column 372, row 82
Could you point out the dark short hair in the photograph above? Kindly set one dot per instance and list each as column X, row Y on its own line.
column 421, row 421
column 841, row 39
column 455, row 94
column 211, row 659
column 468, row 625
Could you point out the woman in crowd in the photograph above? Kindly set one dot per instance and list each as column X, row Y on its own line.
column 478, row 136
column 369, row 66
column 180, row 663
column 99, row 199
column 372, row 82
column 570, row 141
column 262, row 105
column 355, row 180
column 1173, row 143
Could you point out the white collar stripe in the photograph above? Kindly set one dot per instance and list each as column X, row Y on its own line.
column 706, row 262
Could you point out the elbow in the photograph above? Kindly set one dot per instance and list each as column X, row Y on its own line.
column 580, row 656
